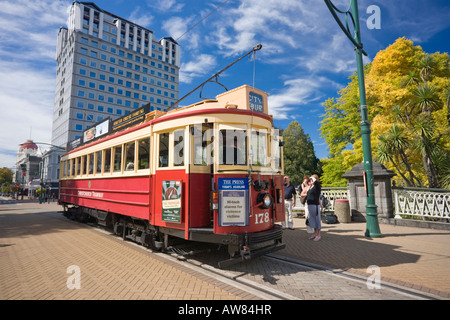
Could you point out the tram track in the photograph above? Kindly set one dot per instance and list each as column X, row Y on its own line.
column 180, row 258
column 186, row 256
column 408, row 292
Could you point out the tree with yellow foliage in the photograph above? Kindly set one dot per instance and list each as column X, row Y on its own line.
column 408, row 95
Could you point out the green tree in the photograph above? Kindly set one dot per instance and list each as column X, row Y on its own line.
column 298, row 154
column 6, row 176
column 408, row 99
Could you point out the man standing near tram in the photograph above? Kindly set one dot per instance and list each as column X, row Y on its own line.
column 289, row 200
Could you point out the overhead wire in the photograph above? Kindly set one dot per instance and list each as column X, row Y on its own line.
column 201, row 20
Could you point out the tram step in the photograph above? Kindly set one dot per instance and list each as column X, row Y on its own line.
column 205, row 230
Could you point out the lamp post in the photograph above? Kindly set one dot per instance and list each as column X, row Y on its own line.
column 372, row 227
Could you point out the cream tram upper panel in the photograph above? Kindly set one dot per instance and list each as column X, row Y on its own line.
column 244, row 98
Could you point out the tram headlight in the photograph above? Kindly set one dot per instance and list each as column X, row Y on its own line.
column 264, row 200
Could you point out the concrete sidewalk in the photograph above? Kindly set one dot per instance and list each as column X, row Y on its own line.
column 412, row 257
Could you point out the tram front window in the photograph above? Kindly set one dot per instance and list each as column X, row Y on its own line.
column 233, row 147
column 203, row 144
column 258, row 148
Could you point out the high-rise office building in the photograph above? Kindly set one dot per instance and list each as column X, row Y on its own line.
column 107, row 66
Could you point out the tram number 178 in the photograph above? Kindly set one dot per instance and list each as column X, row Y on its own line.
column 262, row 217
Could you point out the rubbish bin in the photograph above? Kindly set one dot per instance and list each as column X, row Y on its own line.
column 342, row 210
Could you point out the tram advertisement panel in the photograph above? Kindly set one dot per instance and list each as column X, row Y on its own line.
column 171, row 201
column 233, row 201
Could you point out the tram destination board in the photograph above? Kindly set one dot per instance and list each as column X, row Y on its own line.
column 233, row 201
column 131, row 118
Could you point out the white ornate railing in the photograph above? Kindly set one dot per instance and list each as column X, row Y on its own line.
column 425, row 203
column 330, row 193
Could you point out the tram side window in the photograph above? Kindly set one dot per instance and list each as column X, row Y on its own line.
column 72, row 167
column 78, row 165
column 117, row 158
column 276, row 152
column 107, row 160
column 91, row 163
column 84, row 161
column 259, row 148
column 144, row 153
column 129, row 156
column 99, row 162
column 164, row 150
column 178, row 147
column 233, row 147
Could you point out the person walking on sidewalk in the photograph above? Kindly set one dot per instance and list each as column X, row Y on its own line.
column 313, row 202
column 289, row 200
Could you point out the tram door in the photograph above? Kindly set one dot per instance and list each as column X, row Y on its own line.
column 171, row 185
column 201, row 170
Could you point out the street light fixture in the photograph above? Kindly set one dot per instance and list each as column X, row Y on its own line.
column 372, row 227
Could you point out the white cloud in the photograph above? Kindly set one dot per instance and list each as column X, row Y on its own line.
column 26, row 103
column 166, row 5
column 141, row 18
column 297, row 96
column 198, row 67
column 28, row 33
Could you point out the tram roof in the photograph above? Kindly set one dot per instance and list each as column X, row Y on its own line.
column 243, row 100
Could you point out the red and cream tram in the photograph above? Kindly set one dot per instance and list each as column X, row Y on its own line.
column 208, row 172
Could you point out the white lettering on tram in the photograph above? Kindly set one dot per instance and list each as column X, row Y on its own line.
column 90, row 194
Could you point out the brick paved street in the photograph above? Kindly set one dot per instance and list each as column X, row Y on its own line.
column 38, row 245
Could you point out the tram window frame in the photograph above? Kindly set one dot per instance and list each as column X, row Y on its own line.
column 90, row 165
column 260, row 134
column 117, row 159
column 129, row 157
column 84, row 164
column 143, row 158
column 78, row 166
column 98, row 162
column 64, row 169
column 225, row 146
column 72, row 168
column 178, row 147
column 276, row 152
column 203, row 144
column 163, row 160
column 106, row 165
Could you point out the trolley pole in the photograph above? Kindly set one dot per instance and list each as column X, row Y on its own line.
column 372, row 226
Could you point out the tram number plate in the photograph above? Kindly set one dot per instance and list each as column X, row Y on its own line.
column 262, row 217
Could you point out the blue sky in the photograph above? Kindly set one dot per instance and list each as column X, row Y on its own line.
column 305, row 57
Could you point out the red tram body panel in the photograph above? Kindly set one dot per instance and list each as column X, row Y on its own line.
column 208, row 172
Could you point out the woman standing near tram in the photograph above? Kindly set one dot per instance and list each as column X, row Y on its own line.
column 313, row 202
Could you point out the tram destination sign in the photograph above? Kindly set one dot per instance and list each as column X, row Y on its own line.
column 233, row 201
column 255, row 102
column 131, row 118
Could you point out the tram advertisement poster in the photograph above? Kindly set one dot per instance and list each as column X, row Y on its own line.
column 171, row 201
column 233, row 201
